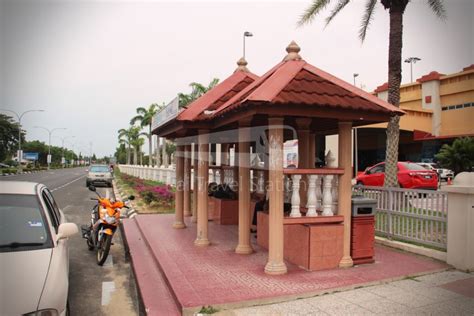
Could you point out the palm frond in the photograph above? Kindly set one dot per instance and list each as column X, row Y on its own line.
column 339, row 6
column 212, row 84
column 367, row 18
column 141, row 110
column 438, row 8
column 314, row 9
column 135, row 119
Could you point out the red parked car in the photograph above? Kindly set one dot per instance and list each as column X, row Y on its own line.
column 410, row 176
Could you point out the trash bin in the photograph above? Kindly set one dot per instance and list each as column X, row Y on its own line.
column 363, row 229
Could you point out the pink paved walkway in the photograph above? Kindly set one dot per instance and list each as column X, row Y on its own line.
column 216, row 275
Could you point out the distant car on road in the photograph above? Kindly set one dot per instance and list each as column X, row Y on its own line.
column 33, row 251
column 2, row 165
column 99, row 174
column 410, row 176
column 443, row 173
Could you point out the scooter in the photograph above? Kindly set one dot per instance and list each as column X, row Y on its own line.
column 105, row 217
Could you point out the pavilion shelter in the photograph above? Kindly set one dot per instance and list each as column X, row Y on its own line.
column 293, row 100
column 185, row 128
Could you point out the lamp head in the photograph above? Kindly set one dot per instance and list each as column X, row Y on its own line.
column 248, row 34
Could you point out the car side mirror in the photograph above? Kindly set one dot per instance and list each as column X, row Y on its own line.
column 92, row 188
column 66, row 230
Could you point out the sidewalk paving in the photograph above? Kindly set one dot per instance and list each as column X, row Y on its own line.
column 444, row 293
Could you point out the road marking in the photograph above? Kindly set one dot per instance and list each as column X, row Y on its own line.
column 66, row 184
column 107, row 289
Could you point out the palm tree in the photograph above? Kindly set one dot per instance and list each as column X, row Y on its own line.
column 197, row 90
column 125, row 136
column 145, row 117
column 396, row 9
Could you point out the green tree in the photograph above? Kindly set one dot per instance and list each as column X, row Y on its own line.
column 126, row 136
column 145, row 116
column 8, row 137
column 459, row 156
column 197, row 90
column 121, row 154
column 396, row 9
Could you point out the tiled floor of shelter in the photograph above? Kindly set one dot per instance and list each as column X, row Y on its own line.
column 216, row 275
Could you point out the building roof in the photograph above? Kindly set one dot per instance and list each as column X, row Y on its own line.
column 294, row 81
column 220, row 94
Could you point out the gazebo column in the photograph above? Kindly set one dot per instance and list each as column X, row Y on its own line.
column 345, row 186
column 195, row 182
column 244, row 246
column 203, row 177
column 179, row 194
column 304, row 155
column 275, row 264
column 187, row 181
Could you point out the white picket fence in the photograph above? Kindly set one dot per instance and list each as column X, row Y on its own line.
column 418, row 216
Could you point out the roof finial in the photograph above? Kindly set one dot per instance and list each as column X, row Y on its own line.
column 293, row 49
column 242, row 65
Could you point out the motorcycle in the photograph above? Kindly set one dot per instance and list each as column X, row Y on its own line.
column 105, row 217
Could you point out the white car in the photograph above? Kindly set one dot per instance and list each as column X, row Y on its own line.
column 34, row 257
column 443, row 173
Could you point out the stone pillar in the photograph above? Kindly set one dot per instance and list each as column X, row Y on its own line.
column 179, row 194
column 203, row 178
column 304, row 155
column 244, row 246
column 460, row 248
column 345, row 188
column 195, row 183
column 275, row 264
column 187, row 181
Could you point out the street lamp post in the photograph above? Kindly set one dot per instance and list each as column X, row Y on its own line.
column 50, row 131
column 63, row 161
column 19, row 117
column 411, row 61
column 354, row 75
column 246, row 34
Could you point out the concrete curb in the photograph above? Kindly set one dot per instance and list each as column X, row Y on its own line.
column 427, row 252
column 118, row 195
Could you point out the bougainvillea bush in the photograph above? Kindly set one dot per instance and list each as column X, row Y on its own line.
column 150, row 191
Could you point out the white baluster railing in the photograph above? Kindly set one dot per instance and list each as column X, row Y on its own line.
column 320, row 198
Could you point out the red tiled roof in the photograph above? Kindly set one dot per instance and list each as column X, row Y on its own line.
column 434, row 75
column 217, row 96
column 297, row 82
column 471, row 67
column 382, row 88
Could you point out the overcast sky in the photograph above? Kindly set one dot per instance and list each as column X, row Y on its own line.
column 90, row 64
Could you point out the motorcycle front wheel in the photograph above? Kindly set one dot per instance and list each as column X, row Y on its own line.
column 103, row 248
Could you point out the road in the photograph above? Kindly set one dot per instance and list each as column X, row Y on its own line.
column 93, row 290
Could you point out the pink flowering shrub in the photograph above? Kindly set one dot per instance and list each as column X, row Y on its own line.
column 150, row 191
